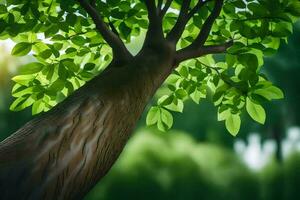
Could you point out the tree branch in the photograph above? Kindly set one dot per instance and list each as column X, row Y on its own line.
column 197, row 7
column 118, row 47
column 205, row 30
column 152, row 11
column 113, row 28
column 197, row 48
column 184, row 54
column 93, row 3
column 155, row 31
column 182, row 20
column 165, row 9
column 159, row 5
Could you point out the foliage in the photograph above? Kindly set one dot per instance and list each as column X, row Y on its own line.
column 69, row 51
column 272, row 179
column 174, row 166
column 234, row 80
column 292, row 176
column 280, row 181
column 8, row 66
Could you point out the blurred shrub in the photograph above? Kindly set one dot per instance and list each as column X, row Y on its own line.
column 272, row 182
column 173, row 166
column 292, row 177
column 281, row 181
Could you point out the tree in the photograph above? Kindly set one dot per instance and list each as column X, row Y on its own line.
column 81, row 53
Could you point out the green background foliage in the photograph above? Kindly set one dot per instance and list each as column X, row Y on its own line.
column 175, row 166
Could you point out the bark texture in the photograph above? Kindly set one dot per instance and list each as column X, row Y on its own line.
column 63, row 153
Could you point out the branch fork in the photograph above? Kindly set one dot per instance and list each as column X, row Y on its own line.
column 155, row 34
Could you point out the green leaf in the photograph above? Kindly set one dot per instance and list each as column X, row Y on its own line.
column 21, row 49
column 233, row 124
column 184, row 71
column 17, row 103
column 70, row 65
column 3, row 9
column 45, row 54
column 176, row 106
column 230, row 60
column 31, row 68
column 256, row 111
column 124, row 30
column 196, row 96
column 89, row 66
column 38, row 107
column 57, row 86
column 78, row 40
column 23, row 79
column 166, row 118
column 223, row 115
column 294, row 8
column 20, row 93
column 249, row 60
column 21, row 103
column 283, row 29
column 161, row 126
column 270, row 93
column 165, row 100
column 180, row 93
column 152, row 116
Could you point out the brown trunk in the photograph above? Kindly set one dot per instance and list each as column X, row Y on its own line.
column 62, row 154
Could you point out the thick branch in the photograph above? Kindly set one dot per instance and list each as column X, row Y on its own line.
column 118, row 47
column 152, row 11
column 93, row 3
column 182, row 20
column 165, row 9
column 113, row 28
column 197, row 48
column 159, row 5
column 155, row 31
column 205, row 30
column 183, row 55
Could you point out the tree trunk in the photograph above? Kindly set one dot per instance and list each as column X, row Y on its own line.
column 63, row 153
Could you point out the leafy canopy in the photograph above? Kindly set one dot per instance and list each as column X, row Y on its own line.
column 69, row 51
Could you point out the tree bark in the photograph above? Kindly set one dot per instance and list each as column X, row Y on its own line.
column 63, row 153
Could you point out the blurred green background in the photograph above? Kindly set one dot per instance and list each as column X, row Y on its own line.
column 198, row 159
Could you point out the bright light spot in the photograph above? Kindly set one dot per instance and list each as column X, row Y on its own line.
column 256, row 154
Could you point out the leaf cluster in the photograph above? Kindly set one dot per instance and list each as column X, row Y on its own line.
column 69, row 51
